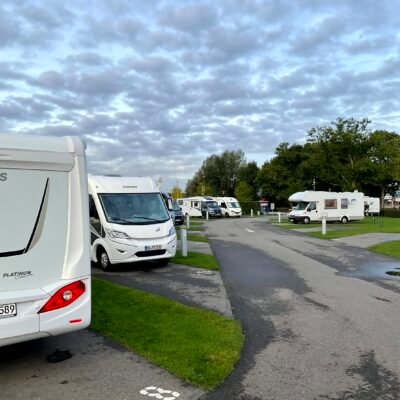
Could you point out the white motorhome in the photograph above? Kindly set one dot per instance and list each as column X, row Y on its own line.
column 313, row 206
column 371, row 205
column 44, row 238
column 129, row 221
column 230, row 207
column 198, row 206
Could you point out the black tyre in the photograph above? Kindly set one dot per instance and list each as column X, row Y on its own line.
column 344, row 220
column 295, row 221
column 306, row 220
column 163, row 262
column 103, row 260
column 227, row 215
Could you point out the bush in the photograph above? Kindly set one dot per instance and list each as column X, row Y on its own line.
column 390, row 212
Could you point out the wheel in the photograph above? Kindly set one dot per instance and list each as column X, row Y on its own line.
column 163, row 261
column 306, row 220
column 103, row 260
column 344, row 220
column 227, row 215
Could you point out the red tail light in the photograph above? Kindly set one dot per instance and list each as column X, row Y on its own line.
column 64, row 297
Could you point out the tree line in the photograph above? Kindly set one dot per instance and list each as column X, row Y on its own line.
column 343, row 156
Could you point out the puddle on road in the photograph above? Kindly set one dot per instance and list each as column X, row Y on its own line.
column 375, row 270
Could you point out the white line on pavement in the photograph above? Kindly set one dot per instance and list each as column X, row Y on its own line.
column 249, row 230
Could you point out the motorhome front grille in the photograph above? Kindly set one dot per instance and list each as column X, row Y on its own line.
column 150, row 253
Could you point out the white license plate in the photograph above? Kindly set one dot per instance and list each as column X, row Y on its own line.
column 8, row 310
column 154, row 247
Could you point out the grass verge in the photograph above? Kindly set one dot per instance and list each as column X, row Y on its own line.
column 198, row 260
column 195, row 238
column 198, row 346
column 367, row 225
column 391, row 249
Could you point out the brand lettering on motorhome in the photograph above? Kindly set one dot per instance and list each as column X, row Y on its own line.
column 3, row 176
column 129, row 187
column 17, row 274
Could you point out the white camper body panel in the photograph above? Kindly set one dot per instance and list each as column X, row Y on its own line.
column 137, row 239
column 372, row 205
column 334, row 206
column 44, row 235
column 230, row 207
column 191, row 206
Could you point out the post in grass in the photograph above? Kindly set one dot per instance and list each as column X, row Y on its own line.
column 184, row 244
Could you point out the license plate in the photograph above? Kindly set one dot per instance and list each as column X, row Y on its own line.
column 154, row 247
column 8, row 310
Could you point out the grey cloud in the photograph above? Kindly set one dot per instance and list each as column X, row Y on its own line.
column 24, row 109
column 88, row 58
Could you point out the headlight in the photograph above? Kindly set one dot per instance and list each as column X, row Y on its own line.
column 172, row 231
column 116, row 234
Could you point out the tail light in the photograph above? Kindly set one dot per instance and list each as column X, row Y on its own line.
column 64, row 296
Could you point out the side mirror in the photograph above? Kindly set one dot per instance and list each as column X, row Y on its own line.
column 169, row 205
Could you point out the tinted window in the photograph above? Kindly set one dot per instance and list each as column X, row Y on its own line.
column 330, row 204
column 344, row 203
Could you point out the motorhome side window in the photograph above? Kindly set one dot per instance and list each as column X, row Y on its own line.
column 92, row 208
column 312, row 206
column 330, row 203
column 195, row 204
column 344, row 204
column 180, row 202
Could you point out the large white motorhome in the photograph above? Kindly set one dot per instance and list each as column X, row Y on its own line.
column 230, row 207
column 313, row 206
column 44, row 238
column 371, row 205
column 199, row 206
column 129, row 221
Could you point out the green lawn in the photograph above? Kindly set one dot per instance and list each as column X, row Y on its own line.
column 198, row 346
column 390, row 225
column 389, row 248
column 196, row 228
column 198, row 260
column 194, row 238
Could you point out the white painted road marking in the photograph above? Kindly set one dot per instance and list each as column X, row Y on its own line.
column 249, row 230
column 157, row 393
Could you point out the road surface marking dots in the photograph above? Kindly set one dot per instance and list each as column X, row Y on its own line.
column 158, row 393
column 249, row 230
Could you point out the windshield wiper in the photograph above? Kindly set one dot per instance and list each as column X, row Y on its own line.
column 150, row 219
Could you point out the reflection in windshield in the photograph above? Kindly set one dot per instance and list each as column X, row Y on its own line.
column 211, row 204
column 233, row 205
column 134, row 208
column 175, row 206
column 301, row 206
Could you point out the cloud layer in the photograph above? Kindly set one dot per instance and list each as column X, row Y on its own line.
column 154, row 87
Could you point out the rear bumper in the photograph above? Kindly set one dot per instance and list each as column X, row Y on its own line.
column 29, row 325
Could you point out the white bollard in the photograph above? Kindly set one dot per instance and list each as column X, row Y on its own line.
column 323, row 225
column 258, row 213
column 251, row 213
column 188, row 221
column 184, row 241
column 279, row 217
column 207, row 215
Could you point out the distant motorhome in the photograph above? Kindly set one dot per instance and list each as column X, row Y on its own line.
column 371, row 205
column 230, row 207
column 44, row 248
column 129, row 221
column 313, row 206
column 199, row 206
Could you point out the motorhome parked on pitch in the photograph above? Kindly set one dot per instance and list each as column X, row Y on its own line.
column 44, row 238
column 313, row 206
column 371, row 205
column 230, row 207
column 129, row 221
column 199, row 206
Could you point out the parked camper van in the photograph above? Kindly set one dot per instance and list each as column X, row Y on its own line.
column 199, row 206
column 44, row 238
column 312, row 206
column 371, row 205
column 230, row 207
column 129, row 221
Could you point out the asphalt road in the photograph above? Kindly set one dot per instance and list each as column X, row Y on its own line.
column 321, row 317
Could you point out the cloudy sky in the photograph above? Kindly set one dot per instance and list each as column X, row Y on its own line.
column 155, row 87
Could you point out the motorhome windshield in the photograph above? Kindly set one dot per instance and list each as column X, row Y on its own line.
column 212, row 204
column 302, row 205
column 134, row 208
column 233, row 205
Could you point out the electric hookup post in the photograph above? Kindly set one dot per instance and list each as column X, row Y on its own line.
column 251, row 213
column 324, row 215
column 279, row 217
column 207, row 215
column 188, row 221
column 184, row 241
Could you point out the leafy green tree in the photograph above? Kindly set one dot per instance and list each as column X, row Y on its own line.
column 244, row 192
column 176, row 192
column 248, row 173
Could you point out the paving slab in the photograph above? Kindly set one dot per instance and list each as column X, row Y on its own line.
column 368, row 239
column 98, row 370
column 191, row 286
column 198, row 247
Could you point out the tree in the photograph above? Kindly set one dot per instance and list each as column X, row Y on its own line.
column 248, row 173
column 176, row 192
column 244, row 192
